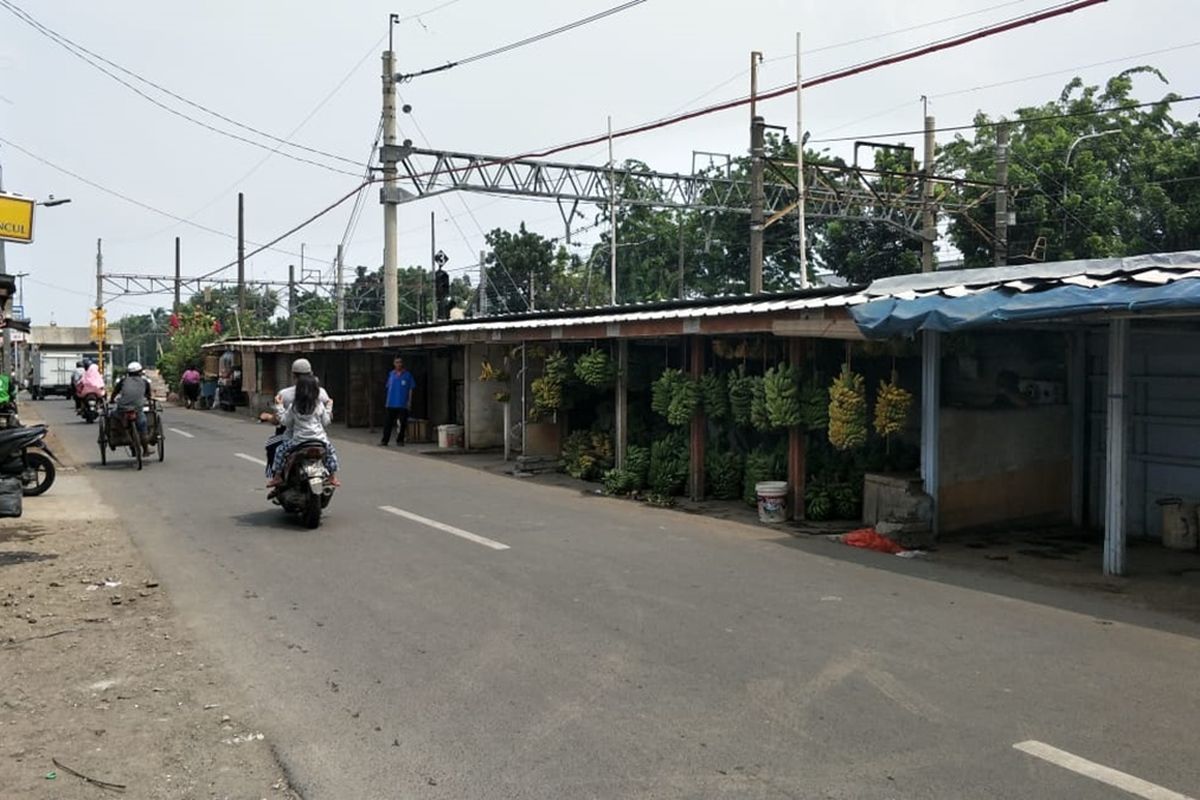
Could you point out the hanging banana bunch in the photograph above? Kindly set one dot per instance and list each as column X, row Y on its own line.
column 814, row 406
column 714, row 395
column 741, row 396
column 892, row 405
column 781, row 393
column 759, row 415
column 848, row 411
column 595, row 368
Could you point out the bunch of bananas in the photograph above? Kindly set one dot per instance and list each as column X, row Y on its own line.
column 595, row 368
column 760, row 465
column 619, row 482
column 663, row 389
column 781, row 392
column 814, row 406
column 558, row 367
column 668, row 464
column 637, row 463
column 675, row 396
column 685, row 399
column 892, row 404
column 714, row 395
column 741, row 396
column 760, row 417
column 848, row 411
column 724, row 470
column 547, row 395
column 487, row 372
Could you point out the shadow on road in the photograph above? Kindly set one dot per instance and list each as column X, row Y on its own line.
column 1104, row 607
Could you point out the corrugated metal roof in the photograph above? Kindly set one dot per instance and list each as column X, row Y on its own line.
column 69, row 336
column 725, row 307
column 964, row 299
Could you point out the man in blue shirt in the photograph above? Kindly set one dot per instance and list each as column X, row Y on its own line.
column 400, row 385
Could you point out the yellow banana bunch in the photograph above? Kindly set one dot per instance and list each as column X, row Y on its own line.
column 892, row 405
column 848, row 411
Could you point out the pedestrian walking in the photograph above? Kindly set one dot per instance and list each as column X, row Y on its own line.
column 400, row 385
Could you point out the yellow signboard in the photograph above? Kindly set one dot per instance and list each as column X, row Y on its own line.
column 16, row 219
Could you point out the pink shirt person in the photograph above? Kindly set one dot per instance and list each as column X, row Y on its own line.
column 92, row 382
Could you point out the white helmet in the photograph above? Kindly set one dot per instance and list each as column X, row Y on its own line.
column 301, row 367
column 134, row 367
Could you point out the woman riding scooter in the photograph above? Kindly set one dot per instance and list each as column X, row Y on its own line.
column 303, row 410
column 90, row 385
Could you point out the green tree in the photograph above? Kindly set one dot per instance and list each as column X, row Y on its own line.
column 1092, row 176
column 525, row 265
column 863, row 249
column 221, row 303
column 150, row 331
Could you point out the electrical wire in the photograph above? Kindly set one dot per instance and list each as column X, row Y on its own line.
column 87, row 56
column 570, row 26
column 1020, row 121
column 128, row 199
column 829, row 77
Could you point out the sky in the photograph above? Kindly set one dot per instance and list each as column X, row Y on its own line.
column 309, row 72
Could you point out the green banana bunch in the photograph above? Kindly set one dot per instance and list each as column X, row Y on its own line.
column 714, row 394
column 814, row 406
column 760, row 417
column 595, row 368
column 741, row 396
column 781, row 394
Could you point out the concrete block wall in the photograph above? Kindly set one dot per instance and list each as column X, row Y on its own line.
column 484, row 415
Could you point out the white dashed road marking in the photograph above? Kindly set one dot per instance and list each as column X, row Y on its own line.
column 441, row 526
column 253, row 460
column 184, row 434
column 1098, row 772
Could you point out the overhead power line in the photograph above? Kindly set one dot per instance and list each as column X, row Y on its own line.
column 1020, row 121
column 91, row 58
column 128, row 199
column 857, row 69
column 570, row 26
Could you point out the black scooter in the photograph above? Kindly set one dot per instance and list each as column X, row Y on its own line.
column 89, row 408
column 24, row 454
column 305, row 488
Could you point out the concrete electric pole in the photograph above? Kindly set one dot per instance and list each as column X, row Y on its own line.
column 757, row 199
column 389, row 195
column 928, row 210
column 1000, row 255
column 341, row 292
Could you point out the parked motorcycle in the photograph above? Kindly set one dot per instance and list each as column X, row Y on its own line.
column 24, row 454
column 89, row 408
column 305, row 488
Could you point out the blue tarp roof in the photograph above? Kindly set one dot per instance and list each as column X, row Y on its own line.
column 897, row 317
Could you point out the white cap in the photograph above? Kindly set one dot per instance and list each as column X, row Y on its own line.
column 301, row 367
column 134, row 366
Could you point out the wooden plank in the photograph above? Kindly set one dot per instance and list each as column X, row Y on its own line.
column 699, row 429
column 797, row 445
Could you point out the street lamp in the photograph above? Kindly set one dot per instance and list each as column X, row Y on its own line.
column 1067, row 173
column 52, row 202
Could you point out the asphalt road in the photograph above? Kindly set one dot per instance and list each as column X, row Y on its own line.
column 615, row 651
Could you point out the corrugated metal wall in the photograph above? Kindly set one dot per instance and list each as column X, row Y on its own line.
column 1164, row 450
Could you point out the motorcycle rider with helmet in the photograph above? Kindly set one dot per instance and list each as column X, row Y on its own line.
column 132, row 393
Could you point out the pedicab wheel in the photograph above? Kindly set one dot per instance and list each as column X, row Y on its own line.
column 103, row 444
column 136, row 448
column 162, row 438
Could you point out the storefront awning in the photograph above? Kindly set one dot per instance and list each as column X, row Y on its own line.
column 961, row 307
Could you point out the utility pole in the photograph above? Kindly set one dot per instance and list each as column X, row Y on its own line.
column 612, row 215
column 391, row 294
column 679, row 217
column 341, row 292
column 433, row 263
column 928, row 212
column 241, row 255
column 483, row 303
column 291, row 299
column 178, row 272
column 801, row 233
column 7, row 338
column 1001, row 250
column 757, row 198
column 100, row 302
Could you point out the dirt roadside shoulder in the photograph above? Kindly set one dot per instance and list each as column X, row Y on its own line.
column 98, row 672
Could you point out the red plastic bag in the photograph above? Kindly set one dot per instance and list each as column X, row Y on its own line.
column 868, row 539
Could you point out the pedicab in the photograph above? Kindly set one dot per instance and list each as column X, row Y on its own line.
column 119, row 430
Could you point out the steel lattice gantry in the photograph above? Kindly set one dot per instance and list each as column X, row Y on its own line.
column 845, row 192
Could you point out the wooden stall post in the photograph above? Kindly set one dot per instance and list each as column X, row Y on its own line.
column 699, row 425
column 796, row 465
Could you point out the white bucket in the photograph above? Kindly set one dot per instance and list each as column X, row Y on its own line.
column 1179, row 524
column 450, row 436
column 772, row 501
